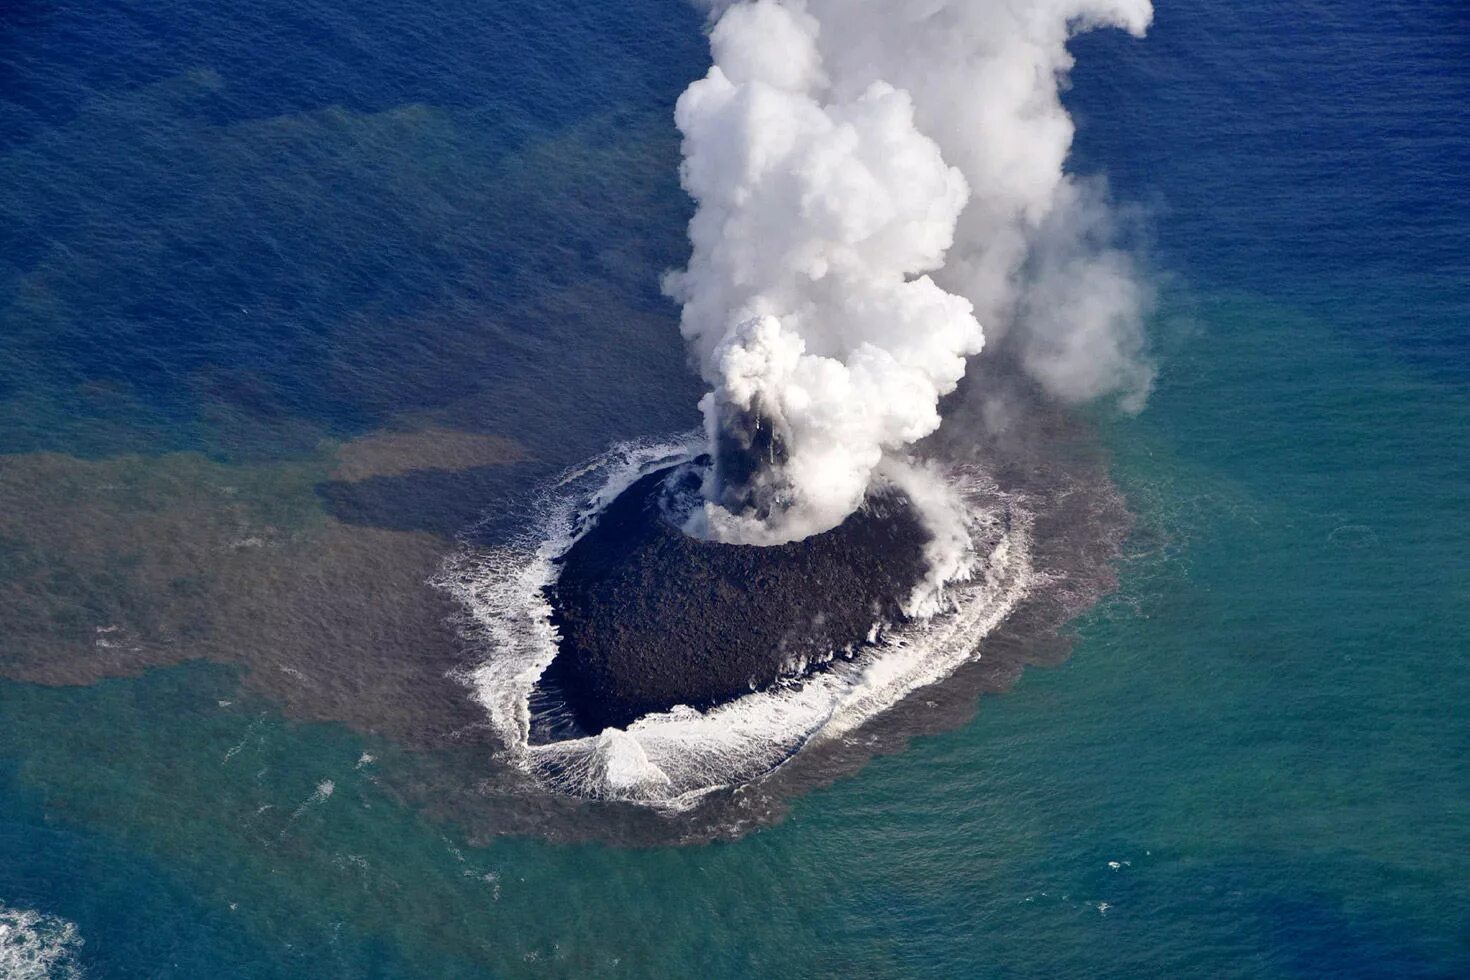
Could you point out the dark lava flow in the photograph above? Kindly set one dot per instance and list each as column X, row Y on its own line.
column 651, row 618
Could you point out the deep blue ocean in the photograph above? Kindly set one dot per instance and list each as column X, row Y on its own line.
column 239, row 243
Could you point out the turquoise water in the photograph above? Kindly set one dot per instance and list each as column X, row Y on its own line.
column 1254, row 763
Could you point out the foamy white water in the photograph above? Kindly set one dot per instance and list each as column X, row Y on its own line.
column 981, row 569
column 34, row 946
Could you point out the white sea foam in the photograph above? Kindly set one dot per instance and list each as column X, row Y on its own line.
column 320, row 795
column 34, row 946
column 671, row 759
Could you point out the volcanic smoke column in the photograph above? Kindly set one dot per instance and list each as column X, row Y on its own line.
column 870, row 175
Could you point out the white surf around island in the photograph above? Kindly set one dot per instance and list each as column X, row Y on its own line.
column 671, row 759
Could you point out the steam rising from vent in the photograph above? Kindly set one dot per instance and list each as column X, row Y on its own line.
column 874, row 179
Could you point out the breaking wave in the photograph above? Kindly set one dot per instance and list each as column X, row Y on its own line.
column 671, row 759
column 37, row 947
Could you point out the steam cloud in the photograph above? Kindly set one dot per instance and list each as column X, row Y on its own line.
column 875, row 179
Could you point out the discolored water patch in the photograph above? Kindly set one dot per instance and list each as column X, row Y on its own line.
column 319, row 586
column 109, row 567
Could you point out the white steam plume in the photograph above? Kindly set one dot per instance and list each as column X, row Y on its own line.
column 871, row 177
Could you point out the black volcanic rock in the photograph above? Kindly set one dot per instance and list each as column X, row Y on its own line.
column 651, row 618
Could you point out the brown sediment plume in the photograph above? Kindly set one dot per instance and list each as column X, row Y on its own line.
column 112, row 566
column 318, row 586
column 397, row 453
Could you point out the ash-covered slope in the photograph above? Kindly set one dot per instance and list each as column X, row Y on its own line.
column 651, row 618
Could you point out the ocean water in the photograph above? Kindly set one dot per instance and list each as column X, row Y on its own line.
column 291, row 294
